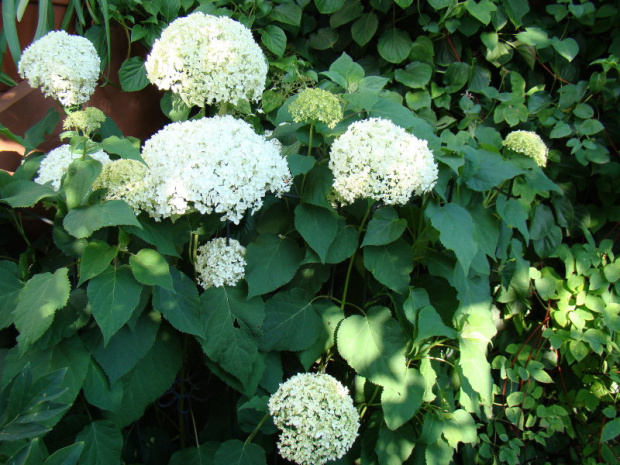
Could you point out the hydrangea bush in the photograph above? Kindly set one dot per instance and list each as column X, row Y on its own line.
column 375, row 232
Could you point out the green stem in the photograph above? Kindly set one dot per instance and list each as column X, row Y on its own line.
column 310, row 138
column 223, row 109
column 352, row 260
column 193, row 248
column 257, row 429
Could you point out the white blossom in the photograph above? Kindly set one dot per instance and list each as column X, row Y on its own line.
column 529, row 144
column 124, row 180
column 316, row 416
column 213, row 164
column 220, row 264
column 376, row 159
column 66, row 67
column 56, row 163
column 206, row 59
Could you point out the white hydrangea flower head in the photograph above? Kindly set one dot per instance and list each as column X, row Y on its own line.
column 528, row 143
column 316, row 105
column 124, row 180
column 56, row 163
column 377, row 159
column 220, row 264
column 206, row 59
column 65, row 66
column 317, row 418
column 214, row 164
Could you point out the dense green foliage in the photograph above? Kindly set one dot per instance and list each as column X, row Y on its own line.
column 476, row 324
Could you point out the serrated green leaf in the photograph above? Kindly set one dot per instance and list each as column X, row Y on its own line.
column 41, row 297
column 271, row 262
column 484, row 170
column 328, row 7
column 394, row 45
column 300, row 164
column 181, row 305
column 331, row 315
column 460, row 427
column 611, row 430
column 374, row 346
column 416, row 75
column 430, row 324
column 235, row 452
column 103, row 443
column 318, row 185
column 364, row 28
column 384, row 227
column 10, row 290
column 79, row 180
column 274, row 39
column 456, row 231
column 132, row 75
column 96, row 258
column 82, row 222
column 590, row 127
column 394, row 447
column 400, row 405
column 201, row 455
column 21, row 194
column 390, row 264
column 67, row 455
column 32, row 453
column 287, row 13
column 456, row 76
column 318, row 226
column 127, row 148
column 232, row 330
column 151, row 269
column 160, row 234
column 99, row 391
column 285, row 313
column 350, row 11
column 113, row 295
column 345, row 243
column 514, row 214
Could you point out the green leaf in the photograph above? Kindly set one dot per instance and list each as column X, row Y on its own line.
column 384, row 227
column 481, row 10
column 132, row 75
column 460, row 427
column 516, row 10
column 394, row 45
column 430, row 324
column 10, row 290
column 113, row 295
column 416, row 75
column 126, row 348
column 364, row 28
column 31, row 454
column 568, row 48
column 588, row 127
column 418, row 100
column 271, row 262
column 328, row 7
column 611, row 430
column 235, row 452
column 103, row 443
column 274, row 39
column 331, row 315
column 398, row 114
column 456, row 76
column 67, row 455
column 124, row 148
column 180, row 305
column 374, row 346
column 150, row 379
column 41, row 297
column 151, row 269
column 390, row 264
column 285, row 313
column 96, row 258
column 318, row 185
column 318, row 226
column 99, row 391
column 400, row 405
column 201, row 455
column 21, row 194
column 300, row 164
column 514, row 214
column 456, row 231
column 79, row 180
column 232, row 330
column 82, row 222
column 537, row 370
column 323, row 38
column 394, row 447
column 160, row 234
column 349, row 12
column 535, row 37
column 484, row 170
column 584, row 111
column 345, row 243
column 346, row 73
column 287, row 13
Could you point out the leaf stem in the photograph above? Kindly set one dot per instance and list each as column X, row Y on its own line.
column 257, row 429
column 310, row 138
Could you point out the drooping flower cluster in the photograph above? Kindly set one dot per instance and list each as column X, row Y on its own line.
column 316, row 105
column 66, row 67
column 85, row 121
column 206, row 59
column 219, row 264
column 528, row 143
column 124, row 180
column 56, row 163
column 317, row 418
column 213, row 164
column 376, row 159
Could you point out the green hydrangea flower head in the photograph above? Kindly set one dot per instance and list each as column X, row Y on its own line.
column 316, row 105
column 528, row 143
column 85, row 121
column 124, row 180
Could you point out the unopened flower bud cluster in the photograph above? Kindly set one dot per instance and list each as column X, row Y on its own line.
column 124, row 180
column 316, row 105
column 220, row 263
column 85, row 121
column 56, row 163
column 66, row 67
column 207, row 59
column 528, row 143
column 377, row 159
column 317, row 419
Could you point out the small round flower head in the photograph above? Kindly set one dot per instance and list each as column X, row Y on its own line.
column 212, row 164
column 56, row 163
column 206, row 59
column 376, row 159
column 124, row 180
column 219, row 264
column 316, row 105
column 85, row 121
column 317, row 418
column 528, row 143
column 66, row 67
